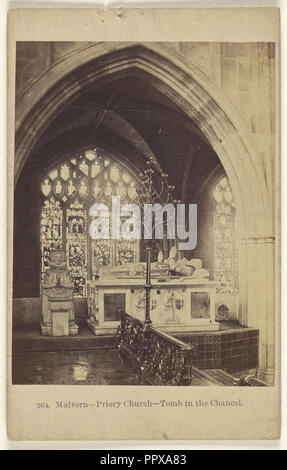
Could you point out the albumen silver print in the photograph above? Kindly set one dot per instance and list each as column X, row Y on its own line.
column 145, row 220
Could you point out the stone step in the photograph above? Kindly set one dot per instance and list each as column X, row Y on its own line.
column 32, row 340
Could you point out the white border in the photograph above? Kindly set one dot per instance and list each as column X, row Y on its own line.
column 146, row 445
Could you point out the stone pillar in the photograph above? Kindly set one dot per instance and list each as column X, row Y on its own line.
column 260, row 301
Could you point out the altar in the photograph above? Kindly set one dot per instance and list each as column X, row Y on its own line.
column 177, row 304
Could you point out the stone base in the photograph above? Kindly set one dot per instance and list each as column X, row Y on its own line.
column 73, row 330
column 47, row 330
column 170, row 328
column 266, row 375
column 101, row 330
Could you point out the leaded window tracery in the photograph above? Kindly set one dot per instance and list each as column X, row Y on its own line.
column 224, row 238
column 69, row 190
column 51, row 230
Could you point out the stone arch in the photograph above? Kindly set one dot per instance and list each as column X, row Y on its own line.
column 205, row 104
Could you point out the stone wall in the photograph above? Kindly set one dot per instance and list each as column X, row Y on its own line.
column 243, row 71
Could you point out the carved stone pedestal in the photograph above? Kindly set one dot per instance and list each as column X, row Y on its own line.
column 61, row 324
column 58, row 316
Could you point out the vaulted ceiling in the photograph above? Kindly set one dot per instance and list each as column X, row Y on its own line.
column 133, row 120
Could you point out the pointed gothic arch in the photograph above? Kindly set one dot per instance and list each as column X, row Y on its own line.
column 199, row 98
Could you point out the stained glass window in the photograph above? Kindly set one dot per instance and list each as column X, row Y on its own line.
column 51, row 230
column 69, row 190
column 224, row 238
column 125, row 251
column 76, row 246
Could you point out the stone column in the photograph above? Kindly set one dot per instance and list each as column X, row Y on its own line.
column 260, row 301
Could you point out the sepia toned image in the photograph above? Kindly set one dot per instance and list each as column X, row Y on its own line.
column 123, row 120
column 145, row 231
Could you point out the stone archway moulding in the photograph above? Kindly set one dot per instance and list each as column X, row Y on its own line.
column 185, row 85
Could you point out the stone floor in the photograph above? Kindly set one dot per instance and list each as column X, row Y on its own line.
column 83, row 360
column 97, row 367
column 100, row 367
column 30, row 339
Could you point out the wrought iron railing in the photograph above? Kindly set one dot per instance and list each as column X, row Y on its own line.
column 160, row 358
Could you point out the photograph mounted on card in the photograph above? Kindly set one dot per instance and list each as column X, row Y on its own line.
column 144, row 239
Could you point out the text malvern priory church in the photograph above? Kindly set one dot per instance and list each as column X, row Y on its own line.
column 178, row 123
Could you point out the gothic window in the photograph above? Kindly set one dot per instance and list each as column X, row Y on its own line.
column 224, row 238
column 51, row 229
column 76, row 246
column 68, row 191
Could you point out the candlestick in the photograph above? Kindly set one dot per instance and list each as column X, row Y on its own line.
column 148, row 287
column 148, row 265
